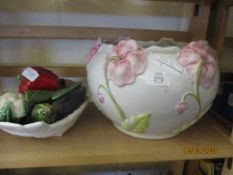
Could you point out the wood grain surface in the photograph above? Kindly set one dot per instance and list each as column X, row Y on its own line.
column 95, row 141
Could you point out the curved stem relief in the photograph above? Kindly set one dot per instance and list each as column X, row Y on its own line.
column 117, row 62
column 119, row 109
column 198, row 79
column 195, row 95
column 136, row 124
column 108, row 90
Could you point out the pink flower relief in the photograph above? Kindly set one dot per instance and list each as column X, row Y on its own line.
column 93, row 50
column 202, row 47
column 181, row 107
column 126, row 61
column 192, row 54
column 125, row 46
column 100, row 97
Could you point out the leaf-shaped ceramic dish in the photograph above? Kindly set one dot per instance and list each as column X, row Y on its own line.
column 42, row 129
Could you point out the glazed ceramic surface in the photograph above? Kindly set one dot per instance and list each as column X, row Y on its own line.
column 153, row 90
column 42, row 129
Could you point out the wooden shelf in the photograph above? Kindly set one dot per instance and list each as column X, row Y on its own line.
column 100, row 6
column 94, row 141
column 61, row 32
column 12, row 70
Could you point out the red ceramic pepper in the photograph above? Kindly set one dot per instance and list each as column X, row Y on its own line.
column 38, row 78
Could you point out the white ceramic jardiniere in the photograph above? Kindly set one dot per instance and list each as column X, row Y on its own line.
column 153, row 90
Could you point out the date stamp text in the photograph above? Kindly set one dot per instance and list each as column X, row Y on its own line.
column 200, row 150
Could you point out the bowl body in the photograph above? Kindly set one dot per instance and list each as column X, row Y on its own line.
column 42, row 129
column 154, row 92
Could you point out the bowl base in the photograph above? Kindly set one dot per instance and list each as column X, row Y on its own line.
column 146, row 136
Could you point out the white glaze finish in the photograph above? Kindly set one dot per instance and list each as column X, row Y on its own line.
column 144, row 96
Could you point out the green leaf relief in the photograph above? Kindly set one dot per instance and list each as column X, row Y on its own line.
column 137, row 124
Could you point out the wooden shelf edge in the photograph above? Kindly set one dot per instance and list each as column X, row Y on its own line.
column 79, row 6
column 7, row 70
column 224, row 125
column 59, row 32
column 88, row 143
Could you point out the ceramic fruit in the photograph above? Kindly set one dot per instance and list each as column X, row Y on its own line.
column 153, row 90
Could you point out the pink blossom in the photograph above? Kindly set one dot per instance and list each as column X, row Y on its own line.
column 125, row 46
column 181, row 107
column 192, row 54
column 93, row 50
column 100, row 97
column 126, row 61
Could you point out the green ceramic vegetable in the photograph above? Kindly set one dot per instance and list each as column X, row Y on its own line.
column 43, row 112
column 62, row 92
column 38, row 96
column 44, row 96
column 5, row 113
column 50, row 106
column 12, row 107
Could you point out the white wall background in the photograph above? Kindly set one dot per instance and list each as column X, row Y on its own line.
column 137, row 14
column 132, row 14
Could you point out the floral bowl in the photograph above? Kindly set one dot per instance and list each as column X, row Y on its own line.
column 41, row 129
column 153, row 90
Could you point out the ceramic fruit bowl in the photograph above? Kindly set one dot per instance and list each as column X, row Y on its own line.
column 41, row 113
column 41, row 129
column 153, row 90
